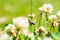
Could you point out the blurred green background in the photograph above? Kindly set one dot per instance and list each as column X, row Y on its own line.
column 14, row 8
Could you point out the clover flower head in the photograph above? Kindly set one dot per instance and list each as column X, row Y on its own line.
column 31, row 35
column 52, row 17
column 46, row 8
column 1, row 32
column 31, row 15
column 4, row 36
column 11, row 28
column 36, row 31
column 55, row 24
column 41, row 30
column 21, row 22
column 58, row 21
column 25, row 32
column 58, row 13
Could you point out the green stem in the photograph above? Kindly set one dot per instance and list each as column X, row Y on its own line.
column 40, row 16
column 46, row 16
column 53, row 29
column 41, row 37
column 59, row 27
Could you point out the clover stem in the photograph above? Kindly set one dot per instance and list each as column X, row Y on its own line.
column 40, row 16
column 59, row 27
column 46, row 16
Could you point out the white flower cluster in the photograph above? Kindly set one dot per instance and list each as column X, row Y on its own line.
column 31, row 15
column 41, row 29
column 21, row 22
column 3, row 36
column 52, row 17
column 31, row 35
column 11, row 28
column 58, row 13
column 46, row 8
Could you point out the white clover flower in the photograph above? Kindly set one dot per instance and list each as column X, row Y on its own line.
column 36, row 31
column 1, row 32
column 21, row 22
column 32, row 38
column 43, row 29
column 11, row 28
column 47, row 38
column 25, row 32
column 55, row 23
column 58, row 21
column 31, row 15
column 52, row 17
column 46, row 8
column 31, row 35
column 4, row 37
column 58, row 13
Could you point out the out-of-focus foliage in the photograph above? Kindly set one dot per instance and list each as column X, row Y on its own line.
column 13, row 8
